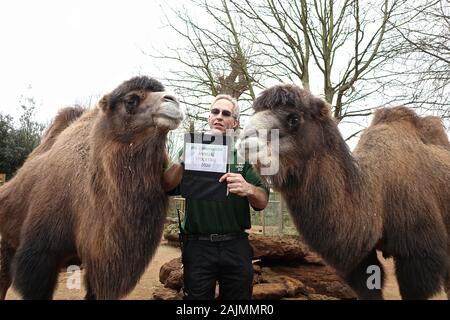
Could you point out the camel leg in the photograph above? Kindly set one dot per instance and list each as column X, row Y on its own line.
column 90, row 295
column 35, row 271
column 420, row 277
column 367, row 279
column 447, row 279
column 447, row 285
column 6, row 256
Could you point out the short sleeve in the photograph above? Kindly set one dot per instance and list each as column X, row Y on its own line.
column 251, row 176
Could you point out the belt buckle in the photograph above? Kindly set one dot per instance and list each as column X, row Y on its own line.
column 212, row 237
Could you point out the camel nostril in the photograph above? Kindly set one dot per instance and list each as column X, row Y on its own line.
column 169, row 98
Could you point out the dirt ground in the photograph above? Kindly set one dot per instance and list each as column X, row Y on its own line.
column 391, row 290
column 150, row 280
column 143, row 290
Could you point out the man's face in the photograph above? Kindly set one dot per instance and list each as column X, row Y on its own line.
column 221, row 116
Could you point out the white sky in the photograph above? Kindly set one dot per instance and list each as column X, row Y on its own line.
column 65, row 52
column 70, row 51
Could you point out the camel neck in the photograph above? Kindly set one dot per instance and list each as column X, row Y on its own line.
column 323, row 180
column 326, row 201
column 331, row 170
column 125, row 171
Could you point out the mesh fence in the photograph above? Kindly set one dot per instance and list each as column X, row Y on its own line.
column 273, row 220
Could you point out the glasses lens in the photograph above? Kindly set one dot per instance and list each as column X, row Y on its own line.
column 225, row 113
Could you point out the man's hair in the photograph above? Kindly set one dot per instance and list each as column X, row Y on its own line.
column 236, row 109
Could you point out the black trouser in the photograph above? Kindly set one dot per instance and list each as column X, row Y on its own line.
column 227, row 262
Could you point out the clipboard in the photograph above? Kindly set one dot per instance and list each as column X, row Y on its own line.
column 206, row 159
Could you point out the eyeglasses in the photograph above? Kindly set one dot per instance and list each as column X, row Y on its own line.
column 225, row 113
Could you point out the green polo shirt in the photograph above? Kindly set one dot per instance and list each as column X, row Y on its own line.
column 231, row 215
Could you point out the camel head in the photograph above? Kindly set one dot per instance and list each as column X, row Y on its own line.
column 138, row 105
column 301, row 120
column 432, row 131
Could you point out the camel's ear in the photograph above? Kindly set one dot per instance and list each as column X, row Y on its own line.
column 103, row 104
column 321, row 109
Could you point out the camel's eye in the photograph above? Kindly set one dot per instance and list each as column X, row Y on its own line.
column 131, row 102
column 293, row 121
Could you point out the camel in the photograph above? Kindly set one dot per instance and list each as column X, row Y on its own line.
column 392, row 194
column 92, row 190
column 62, row 120
column 432, row 132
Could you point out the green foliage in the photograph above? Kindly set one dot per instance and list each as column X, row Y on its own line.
column 16, row 142
column 171, row 229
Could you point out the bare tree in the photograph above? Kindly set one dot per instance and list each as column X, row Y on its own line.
column 213, row 58
column 334, row 42
column 423, row 65
column 359, row 55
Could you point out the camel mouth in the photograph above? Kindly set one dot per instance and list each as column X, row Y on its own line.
column 256, row 151
column 169, row 115
column 170, row 110
column 259, row 143
column 249, row 144
column 167, row 122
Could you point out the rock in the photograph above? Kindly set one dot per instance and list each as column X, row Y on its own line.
column 257, row 268
column 293, row 286
column 269, row 291
column 282, row 249
column 280, row 287
column 171, row 234
column 288, row 256
column 171, row 274
column 175, row 280
column 162, row 293
column 320, row 297
column 172, row 240
column 322, row 279
column 257, row 277
column 286, row 269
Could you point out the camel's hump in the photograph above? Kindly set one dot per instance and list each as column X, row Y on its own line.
column 393, row 114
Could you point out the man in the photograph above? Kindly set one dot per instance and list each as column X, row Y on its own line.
column 216, row 247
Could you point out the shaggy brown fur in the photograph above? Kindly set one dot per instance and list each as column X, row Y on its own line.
column 92, row 190
column 433, row 132
column 62, row 120
column 430, row 128
column 392, row 194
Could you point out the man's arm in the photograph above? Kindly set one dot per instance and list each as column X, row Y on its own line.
column 257, row 196
column 172, row 177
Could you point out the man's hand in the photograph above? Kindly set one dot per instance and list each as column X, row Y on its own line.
column 237, row 184
column 172, row 177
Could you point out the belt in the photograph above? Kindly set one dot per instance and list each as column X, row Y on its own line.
column 215, row 237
